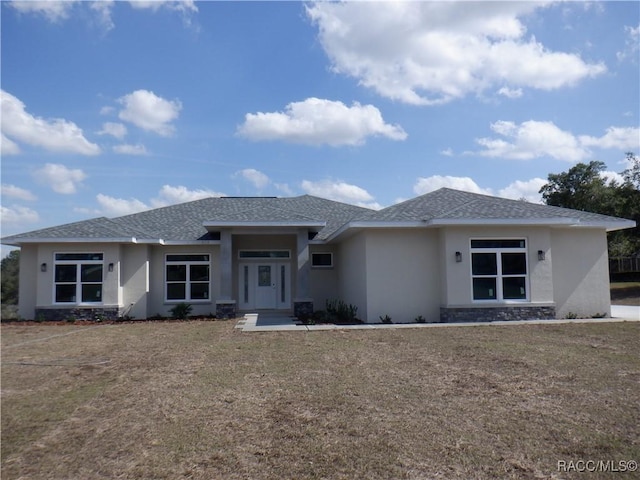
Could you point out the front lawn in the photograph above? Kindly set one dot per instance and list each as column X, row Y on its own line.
column 200, row 400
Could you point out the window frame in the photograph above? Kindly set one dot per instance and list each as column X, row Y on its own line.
column 78, row 263
column 274, row 255
column 313, row 254
column 499, row 276
column 187, row 281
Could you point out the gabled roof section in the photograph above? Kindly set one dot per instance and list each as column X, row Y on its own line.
column 187, row 222
column 450, row 207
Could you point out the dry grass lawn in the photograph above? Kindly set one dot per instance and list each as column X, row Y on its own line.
column 200, row 400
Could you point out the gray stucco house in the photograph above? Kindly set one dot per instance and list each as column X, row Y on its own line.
column 446, row 256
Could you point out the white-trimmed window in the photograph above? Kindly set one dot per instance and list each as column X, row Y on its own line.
column 322, row 260
column 78, row 277
column 499, row 270
column 187, row 277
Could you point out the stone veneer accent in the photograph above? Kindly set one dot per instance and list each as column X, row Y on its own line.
column 303, row 309
column 226, row 309
column 493, row 314
column 93, row 314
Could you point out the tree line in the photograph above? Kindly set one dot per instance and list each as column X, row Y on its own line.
column 583, row 187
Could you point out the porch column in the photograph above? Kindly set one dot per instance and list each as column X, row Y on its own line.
column 303, row 304
column 225, row 305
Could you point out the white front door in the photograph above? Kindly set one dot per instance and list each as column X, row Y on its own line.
column 266, row 288
column 264, row 285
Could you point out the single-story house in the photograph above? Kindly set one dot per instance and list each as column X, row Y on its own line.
column 446, row 256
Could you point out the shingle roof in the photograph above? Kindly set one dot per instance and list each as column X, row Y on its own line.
column 448, row 204
column 185, row 222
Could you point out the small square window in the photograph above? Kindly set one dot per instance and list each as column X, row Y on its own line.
column 322, row 260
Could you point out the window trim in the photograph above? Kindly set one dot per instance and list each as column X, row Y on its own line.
column 498, row 251
column 187, row 282
column 331, row 264
column 78, row 283
column 276, row 258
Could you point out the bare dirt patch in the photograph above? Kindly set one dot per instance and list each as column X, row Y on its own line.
column 201, row 400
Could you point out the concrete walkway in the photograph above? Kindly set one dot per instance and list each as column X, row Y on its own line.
column 254, row 322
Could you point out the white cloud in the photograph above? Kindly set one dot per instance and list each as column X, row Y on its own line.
column 532, row 139
column 12, row 191
column 103, row 9
column 116, row 130
column 427, row 53
column 632, row 44
column 116, row 207
column 535, row 139
column 150, row 112
column 516, row 190
column 54, row 11
column 56, row 135
column 17, row 214
column 126, row 149
column 429, row 184
column 621, row 138
column 610, row 176
column 169, row 195
column 187, row 8
column 510, row 92
column 60, row 178
column 340, row 192
column 183, row 6
column 316, row 121
column 257, row 178
column 8, row 147
column 447, row 152
column 529, row 190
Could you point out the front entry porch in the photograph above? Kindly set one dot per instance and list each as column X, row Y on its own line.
column 264, row 269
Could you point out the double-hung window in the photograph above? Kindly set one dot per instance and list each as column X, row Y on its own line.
column 78, row 277
column 187, row 277
column 499, row 270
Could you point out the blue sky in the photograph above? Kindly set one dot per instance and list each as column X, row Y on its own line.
column 109, row 108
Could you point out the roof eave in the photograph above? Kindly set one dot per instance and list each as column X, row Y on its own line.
column 610, row 225
column 503, row 221
column 17, row 241
column 250, row 224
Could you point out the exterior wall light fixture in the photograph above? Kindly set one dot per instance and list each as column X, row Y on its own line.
column 110, row 267
column 43, row 267
column 458, row 257
column 541, row 255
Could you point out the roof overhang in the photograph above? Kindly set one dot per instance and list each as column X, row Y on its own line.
column 257, row 224
column 17, row 241
column 610, row 226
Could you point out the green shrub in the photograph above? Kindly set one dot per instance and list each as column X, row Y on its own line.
column 420, row 319
column 385, row 319
column 181, row 311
